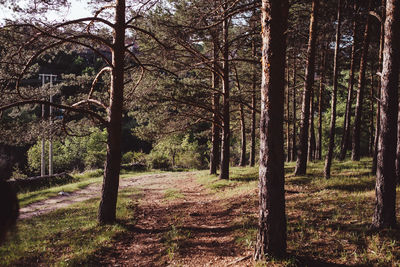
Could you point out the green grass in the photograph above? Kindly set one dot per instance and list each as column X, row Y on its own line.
column 172, row 194
column 68, row 236
column 327, row 220
column 80, row 181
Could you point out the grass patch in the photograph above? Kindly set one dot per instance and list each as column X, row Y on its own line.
column 172, row 194
column 327, row 220
column 69, row 236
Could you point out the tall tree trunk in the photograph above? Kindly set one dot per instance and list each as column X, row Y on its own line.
column 329, row 155
column 253, row 107
column 215, row 130
column 294, row 116
column 108, row 203
column 271, row 236
column 320, row 104
column 311, row 139
column 288, row 147
column 355, row 153
column 242, row 162
column 378, row 109
column 371, row 113
column 398, row 150
column 225, row 146
column 347, row 115
column 385, row 189
column 301, row 164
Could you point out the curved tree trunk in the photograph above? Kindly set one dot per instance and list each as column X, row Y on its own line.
column 225, row 146
column 385, row 189
column 301, row 164
column 355, row 153
column 344, row 145
column 329, row 155
column 271, row 236
column 108, row 203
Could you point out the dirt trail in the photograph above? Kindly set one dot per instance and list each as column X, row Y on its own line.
column 198, row 229
column 91, row 191
column 195, row 229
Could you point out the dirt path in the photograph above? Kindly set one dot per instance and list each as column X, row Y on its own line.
column 91, row 191
column 197, row 229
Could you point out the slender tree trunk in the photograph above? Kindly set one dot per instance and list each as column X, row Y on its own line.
column 215, row 130
column 320, row 104
column 271, row 236
column 301, row 164
column 242, row 162
column 108, row 203
column 311, row 139
column 289, row 152
column 398, row 150
column 371, row 113
column 294, row 116
column 253, row 107
column 347, row 115
column 385, row 189
column 355, row 153
column 329, row 155
column 378, row 109
column 225, row 146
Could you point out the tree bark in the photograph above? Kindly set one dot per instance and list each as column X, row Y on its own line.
column 378, row 109
column 294, row 115
column 301, row 164
column 242, row 162
column 215, row 130
column 385, row 189
column 108, row 203
column 225, row 146
column 329, row 155
column 398, row 150
column 311, row 139
column 371, row 114
column 253, row 107
column 320, row 104
column 288, row 147
column 355, row 153
column 271, row 236
column 347, row 115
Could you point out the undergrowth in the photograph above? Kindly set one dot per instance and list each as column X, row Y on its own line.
column 70, row 236
column 328, row 221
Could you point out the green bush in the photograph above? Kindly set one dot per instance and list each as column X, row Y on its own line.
column 73, row 153
column 128, row 157
column 159, row 161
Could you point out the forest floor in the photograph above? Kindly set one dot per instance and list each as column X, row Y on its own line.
column 194, row 219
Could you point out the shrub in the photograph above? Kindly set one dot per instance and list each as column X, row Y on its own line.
column 74, row 153
column 159, row 161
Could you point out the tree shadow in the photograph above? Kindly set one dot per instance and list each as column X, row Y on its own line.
column 360, row 186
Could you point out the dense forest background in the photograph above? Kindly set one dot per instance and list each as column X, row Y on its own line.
column 174, row 103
